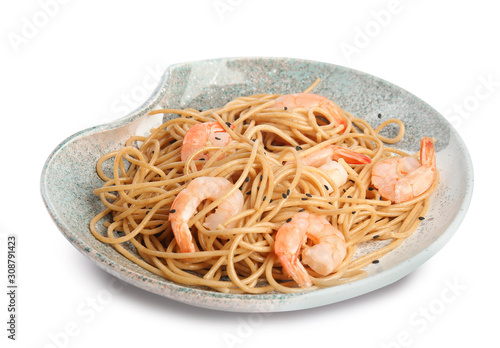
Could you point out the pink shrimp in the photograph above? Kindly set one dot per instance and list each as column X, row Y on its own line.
column 403, row 178
column 310, row 100
column 326, row 160
column 186, row 202
column 323, row 257
column 201, row 135
column 332, row 152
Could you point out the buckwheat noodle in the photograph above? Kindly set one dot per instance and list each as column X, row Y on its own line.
column 142, row 179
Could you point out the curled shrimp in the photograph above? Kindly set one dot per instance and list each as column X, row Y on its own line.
column 326, row 160
column 201, row 135
column 327, row 253
column 310, row 100
column 400, row 179
column 186, row 202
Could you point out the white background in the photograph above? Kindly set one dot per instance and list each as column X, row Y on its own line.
column 70, row 65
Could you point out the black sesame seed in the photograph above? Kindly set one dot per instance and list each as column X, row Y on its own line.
column 289, row 219
column 258, row 187
column 247, row 179
column 304, row 198
column 330, row 203
column 249, row 192
column 327, row 187
column 288, row 192
column 286, row 108
column 379, row 115
column 261, row 177
column 264, row 198
column 202, row 159
column 370, row 188
column 353, row 212
column 217, row 138
column 301, row 210
column 172, row 211
column 376, row 236
column 298, row 148
column 228, row 124
column 284, row 195
column 309, row 195
column 271, row 201
column 421, row 218
column 375, row 261
column 349, row 196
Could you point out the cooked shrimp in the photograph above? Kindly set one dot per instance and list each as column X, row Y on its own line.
column 326, row 160
column 403, row 178
column 335, row 171
column 335, row 153
column 327, row 253
column 186, row 202
column 201, row 135
column 310, row 100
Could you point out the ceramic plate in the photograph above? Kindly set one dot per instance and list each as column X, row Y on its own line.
column 69, row 176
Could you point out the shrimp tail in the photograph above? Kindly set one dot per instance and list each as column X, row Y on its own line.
column 294, row 268
column 183, row 236
column 299, row 274
column 427, row 152
column 350, row 156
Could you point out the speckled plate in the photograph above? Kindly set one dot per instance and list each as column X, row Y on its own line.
column 69, row 177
